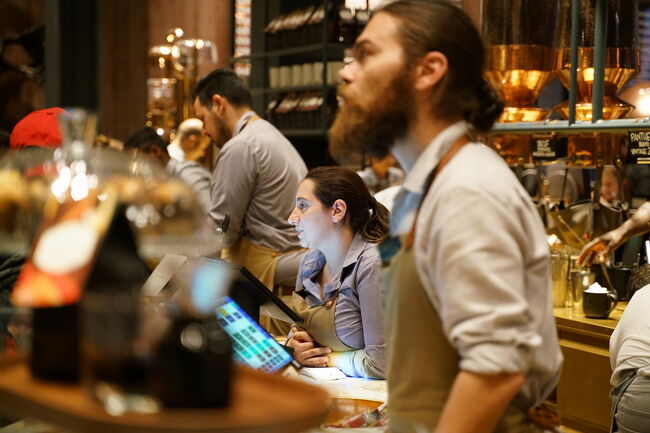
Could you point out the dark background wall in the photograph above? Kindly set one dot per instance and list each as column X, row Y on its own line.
column 96, row 50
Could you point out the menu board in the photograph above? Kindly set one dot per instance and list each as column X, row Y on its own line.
column 548, row 147
column 638, row 149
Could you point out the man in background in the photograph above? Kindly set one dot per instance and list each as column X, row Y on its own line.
column 254, row 181
column 190, row 144
column 381, row 173
column 189, row 172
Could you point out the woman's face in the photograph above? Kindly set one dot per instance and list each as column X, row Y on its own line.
column 313, row 222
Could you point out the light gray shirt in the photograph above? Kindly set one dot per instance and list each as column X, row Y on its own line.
column 196, row 177
column 482, row 256
column 255, row 181
column 629, row 345
column 359, row 316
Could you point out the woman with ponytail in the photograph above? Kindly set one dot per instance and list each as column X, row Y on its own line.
column 338, row 288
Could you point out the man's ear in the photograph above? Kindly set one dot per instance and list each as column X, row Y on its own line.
column 430, row 70
column 219, row 103
column 154, row 151
column 339, row 210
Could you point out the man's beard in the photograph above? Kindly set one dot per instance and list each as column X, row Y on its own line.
column 373, row 130
column 222, row 136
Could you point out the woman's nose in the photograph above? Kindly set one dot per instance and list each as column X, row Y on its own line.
column 292, row 218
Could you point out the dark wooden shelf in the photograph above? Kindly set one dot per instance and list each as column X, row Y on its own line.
column 329, row 47
column 306, row 132
column 273, row 90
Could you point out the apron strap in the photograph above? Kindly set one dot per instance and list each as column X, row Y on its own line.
column 451, row 152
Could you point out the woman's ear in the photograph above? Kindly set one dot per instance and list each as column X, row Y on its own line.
column 339, row 210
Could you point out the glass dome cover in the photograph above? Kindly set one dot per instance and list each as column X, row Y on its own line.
column 78, row 190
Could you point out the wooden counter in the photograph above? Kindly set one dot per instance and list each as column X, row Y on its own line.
column 583, row 390
column 260, row 403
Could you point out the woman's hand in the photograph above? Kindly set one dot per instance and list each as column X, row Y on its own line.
column 305, row 350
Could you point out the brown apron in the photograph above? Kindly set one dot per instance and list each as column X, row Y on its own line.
column 318, row 320
column 261, row 261
column 258, row 259
column 422, row 364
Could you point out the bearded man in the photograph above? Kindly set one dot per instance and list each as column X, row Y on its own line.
column 471, row 337
column 254, row 180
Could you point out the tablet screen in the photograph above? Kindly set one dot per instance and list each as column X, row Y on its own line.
column 252, row 345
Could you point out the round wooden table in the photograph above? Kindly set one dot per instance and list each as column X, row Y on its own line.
column 260, row 403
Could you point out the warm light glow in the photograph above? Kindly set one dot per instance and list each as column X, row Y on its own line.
column 639, row 96
column 355, row 4
column 61, row 184
column 643, row 105
column 79, row 187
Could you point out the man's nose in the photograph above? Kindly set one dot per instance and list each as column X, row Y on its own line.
column 346, row 74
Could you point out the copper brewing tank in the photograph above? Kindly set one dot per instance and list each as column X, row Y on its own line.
column 622, row 63
column 522, row 40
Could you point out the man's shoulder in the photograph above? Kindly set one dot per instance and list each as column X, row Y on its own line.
column 481, row 170
column 262, row 132
column 259, row 136
column 177, row 167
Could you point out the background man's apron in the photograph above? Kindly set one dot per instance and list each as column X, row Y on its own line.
column 261, row 261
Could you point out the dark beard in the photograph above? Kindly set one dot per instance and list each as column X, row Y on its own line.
column 373, row 130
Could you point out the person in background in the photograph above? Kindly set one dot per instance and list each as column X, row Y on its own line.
column 191, row 173
column 601, row 247
column 338, row 287
column 629, row 352
column 253, row 181
column 610, row 187
column 381, row 174
column 39, row 128
column 471, row 338
column 189, row 143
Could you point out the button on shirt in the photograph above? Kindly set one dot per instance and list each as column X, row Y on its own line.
column 255, row 181
column 482, row 256
column 358, row 317
column 629, row 346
